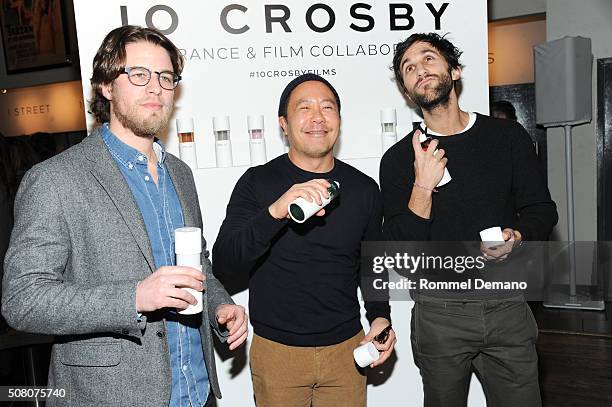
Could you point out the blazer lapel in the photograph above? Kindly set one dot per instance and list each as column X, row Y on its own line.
column 188, row 199
column 105, row 170
column 184, row 196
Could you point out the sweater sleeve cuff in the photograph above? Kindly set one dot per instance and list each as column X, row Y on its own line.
column 416, row 218
column 377, row 309
column 266, row 227
column 407, row 225
column 526, row 234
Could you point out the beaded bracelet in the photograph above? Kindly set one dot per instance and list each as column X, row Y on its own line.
column 425, row 188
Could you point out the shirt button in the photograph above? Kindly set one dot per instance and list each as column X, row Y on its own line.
column 147, row 178
column 160, row 334
column 140, row 158
column 185, row 368
column 183, row 329
column 130, row 166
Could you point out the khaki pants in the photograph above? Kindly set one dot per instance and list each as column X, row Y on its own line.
column 296, row 376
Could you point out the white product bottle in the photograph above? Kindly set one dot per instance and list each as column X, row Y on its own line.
column 223, row 144
column 300, row 209
column 187, row 147
column 446, row 178
column 257, row 142
column 188, row 249
column 388, row 121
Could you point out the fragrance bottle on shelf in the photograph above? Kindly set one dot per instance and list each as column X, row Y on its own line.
column 257, row 141
column 187, row 148
column 388, row 122
column 223, row 144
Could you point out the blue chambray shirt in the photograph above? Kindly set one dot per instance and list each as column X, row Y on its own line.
column 162, row 214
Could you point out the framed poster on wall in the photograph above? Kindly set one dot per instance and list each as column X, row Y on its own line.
column 33, row 34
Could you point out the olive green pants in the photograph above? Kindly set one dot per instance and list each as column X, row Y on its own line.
column 494, row 338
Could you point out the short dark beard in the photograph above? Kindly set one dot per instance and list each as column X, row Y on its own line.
column 140, row 128
column 441, row 94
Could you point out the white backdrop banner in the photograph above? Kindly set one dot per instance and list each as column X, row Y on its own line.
column 239, row 57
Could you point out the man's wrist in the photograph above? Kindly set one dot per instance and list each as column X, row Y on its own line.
column 422, row 187
column 518, row 239
column 382, row 320
column 272, row 213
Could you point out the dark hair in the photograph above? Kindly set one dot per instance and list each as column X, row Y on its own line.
column 284, row 99
column 504, row 107
column 109, row 62
column 446, row 48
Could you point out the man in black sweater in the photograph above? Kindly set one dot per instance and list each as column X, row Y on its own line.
column 304, row 277
column 495, row 182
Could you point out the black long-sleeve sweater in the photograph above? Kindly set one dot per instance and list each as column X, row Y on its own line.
column 496, row 182
column 303, row 277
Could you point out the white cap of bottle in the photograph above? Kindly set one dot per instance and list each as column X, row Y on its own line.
column 388, row 116
column 221, row 123
column 184, row 125
column 188, row 240
column 255, row 122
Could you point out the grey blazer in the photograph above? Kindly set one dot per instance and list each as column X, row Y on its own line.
column 78, row 248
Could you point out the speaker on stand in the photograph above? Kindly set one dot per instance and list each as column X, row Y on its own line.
column 563, row 84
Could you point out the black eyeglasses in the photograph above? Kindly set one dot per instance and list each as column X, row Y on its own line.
column 141, row 76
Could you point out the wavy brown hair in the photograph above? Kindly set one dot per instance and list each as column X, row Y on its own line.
column 446, row 48
column 109, row 62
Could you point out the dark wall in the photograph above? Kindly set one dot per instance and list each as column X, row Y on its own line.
column 522, row 97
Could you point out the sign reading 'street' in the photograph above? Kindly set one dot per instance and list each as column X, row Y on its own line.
column 240, row 55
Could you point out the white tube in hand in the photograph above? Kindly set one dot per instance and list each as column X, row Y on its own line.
column 366, row 354
column 300, row 209
column 446, row 178
column 188, row 249
column 492, row 236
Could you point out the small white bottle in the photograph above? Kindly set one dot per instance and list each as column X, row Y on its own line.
column 188, row 249
column 187, row 147
column 223, row 144
column 300, row 209
column 257, row 142
column 388, row 122
column 424, row 140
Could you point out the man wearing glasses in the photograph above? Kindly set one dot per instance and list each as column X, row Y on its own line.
column 91, row 259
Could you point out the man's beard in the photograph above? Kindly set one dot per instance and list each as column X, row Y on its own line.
column 142, row 127
column 440, row 97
